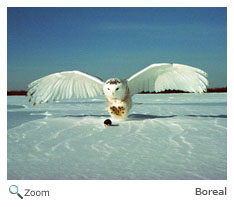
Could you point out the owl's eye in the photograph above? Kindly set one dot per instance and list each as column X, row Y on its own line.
column 117, row 89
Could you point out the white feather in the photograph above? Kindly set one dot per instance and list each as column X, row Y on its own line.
column 65, row 85
column 165, row 76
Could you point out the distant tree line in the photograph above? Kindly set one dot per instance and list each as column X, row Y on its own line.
column 209, row 90
column 16, row 93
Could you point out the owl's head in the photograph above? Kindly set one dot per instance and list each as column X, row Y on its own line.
column 115, row 88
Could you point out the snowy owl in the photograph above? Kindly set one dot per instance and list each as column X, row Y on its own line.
column 118, row 93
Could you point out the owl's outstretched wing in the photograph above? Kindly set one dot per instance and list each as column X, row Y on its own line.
column 166, row 76
column 64, row 85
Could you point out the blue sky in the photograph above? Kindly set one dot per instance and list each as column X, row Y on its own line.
column 114, row 42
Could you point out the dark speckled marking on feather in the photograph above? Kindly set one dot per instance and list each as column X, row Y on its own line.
column 118, row 111
column 113, row 81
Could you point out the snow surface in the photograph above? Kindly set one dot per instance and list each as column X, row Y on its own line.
column 167, row 136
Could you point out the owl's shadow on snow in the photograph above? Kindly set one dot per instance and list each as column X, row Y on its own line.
column 140, row 117
column 146, row 116
column 130, row 116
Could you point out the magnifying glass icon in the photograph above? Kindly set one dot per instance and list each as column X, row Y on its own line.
column 14, row 190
